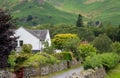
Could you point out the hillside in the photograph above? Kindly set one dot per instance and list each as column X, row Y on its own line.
column 38, row 12
column 107, row 11
column 34, row 12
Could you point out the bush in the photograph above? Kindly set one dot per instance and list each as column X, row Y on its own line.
column 102, row 43
column 40, row 59
column 64, row 56
column 86, row 50
column 11, row 61
column 107, row 60
column 92, row 62
column 116, row 47
column 27, row 48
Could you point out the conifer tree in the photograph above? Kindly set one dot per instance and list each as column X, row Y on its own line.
column 79, row 22
column 7, row 40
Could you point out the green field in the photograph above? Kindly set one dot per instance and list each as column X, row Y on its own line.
column 34, row 12
column 114, row 73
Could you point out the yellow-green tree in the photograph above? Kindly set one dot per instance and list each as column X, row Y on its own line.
column 60, row 40
column 68, row 42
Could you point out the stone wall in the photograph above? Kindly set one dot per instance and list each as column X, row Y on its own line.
column 5, row 74
column 90, row 73
column 48, row 69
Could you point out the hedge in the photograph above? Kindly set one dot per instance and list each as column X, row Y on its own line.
column 64, row 56
column 107, row 60
column 40, row 59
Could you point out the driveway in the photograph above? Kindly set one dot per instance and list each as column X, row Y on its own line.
column 68, row 73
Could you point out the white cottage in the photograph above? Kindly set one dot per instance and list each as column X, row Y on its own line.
column 34, row 37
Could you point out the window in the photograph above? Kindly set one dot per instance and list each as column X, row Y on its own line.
column 16, row 43
column 21, row 43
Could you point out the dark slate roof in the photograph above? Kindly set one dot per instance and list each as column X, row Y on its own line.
column 41, row 34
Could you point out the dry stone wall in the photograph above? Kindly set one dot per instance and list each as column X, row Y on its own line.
column 5, row 74
column 44, row 70
column 90, row 73
column 49, row 68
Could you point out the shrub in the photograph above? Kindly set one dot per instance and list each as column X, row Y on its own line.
column 107, row 60
column 116, row 47
column 102, row 43
column 40, row 59
column 92, row 62
column 64, row 56
column 86, row 50
column 16, row 60
column 60, row 39
column 27, row 48
column 11, row 61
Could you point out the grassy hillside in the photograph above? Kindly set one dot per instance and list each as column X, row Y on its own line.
column 33, row 12
column 107, row 11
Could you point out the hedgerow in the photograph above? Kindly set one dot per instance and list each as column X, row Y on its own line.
column 40, row 59
column 64, row 56
column 107, row 60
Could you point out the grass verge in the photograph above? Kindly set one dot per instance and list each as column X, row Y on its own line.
column 114, row 73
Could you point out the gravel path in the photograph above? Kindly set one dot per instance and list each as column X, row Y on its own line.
column 68, row 73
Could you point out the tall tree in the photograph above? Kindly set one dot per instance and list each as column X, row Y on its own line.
column 7, row 40
column 79, row 22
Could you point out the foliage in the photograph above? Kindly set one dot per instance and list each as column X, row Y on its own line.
column 79, row 22
column 116, row 47
column 40, row 59
column 113, row 32
column 71, row 44
column 60, row 39
column 102, row 43
column 68, row 42
column 25, row 53
column 26, row 48
column 17, row 59
column 64, row 56
column 48, row 49
column 86, row 34
column 86, row 50
column 114, row 73
column 92, row 62
column 107, row 60
column 12, row 59
column 7, row 40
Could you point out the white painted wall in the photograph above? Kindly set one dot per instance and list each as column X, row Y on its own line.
column 48, row 39
column 28, row 38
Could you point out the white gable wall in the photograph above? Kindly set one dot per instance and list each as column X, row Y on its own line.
column 48, row 39
column 28, row 38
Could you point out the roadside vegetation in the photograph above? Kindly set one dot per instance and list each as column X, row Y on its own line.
column 114, row 73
